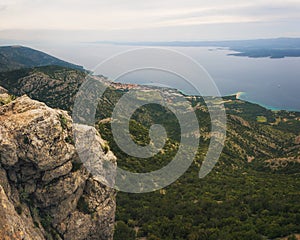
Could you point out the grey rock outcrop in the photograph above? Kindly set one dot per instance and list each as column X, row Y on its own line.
column 12, row 225
column 45, row 191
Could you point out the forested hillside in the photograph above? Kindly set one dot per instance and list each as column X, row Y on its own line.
column 252, row 193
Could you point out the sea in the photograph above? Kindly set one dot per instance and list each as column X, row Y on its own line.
column 272, row 83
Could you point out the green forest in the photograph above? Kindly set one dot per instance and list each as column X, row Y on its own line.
column 239, row 199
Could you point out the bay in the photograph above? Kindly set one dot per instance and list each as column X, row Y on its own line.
column 273, row 83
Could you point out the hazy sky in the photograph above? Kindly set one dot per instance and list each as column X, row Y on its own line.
column 140, row 20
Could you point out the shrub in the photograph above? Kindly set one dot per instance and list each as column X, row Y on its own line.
column 63, row 121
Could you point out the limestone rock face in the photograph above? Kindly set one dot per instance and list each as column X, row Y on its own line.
column 12, row 226
column 45, row 191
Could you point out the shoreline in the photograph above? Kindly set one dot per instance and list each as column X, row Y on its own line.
column 239, row 96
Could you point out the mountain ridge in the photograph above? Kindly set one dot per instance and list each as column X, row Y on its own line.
column 255, row 48
column 18, row 57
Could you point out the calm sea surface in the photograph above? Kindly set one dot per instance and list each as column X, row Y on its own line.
column 274, row 83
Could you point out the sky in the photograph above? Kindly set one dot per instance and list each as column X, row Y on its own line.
column 140, row 20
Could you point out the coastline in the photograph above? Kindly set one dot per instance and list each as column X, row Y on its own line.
column 243, row 96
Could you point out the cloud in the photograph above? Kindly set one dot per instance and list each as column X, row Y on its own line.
column 126, row 16
column 249, row 12
column 3, row 8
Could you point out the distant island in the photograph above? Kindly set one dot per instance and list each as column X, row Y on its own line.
column 258, row 48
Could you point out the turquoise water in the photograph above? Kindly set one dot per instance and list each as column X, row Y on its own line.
column 243, row 96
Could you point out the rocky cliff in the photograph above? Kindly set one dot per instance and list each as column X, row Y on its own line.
column 45, row 191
